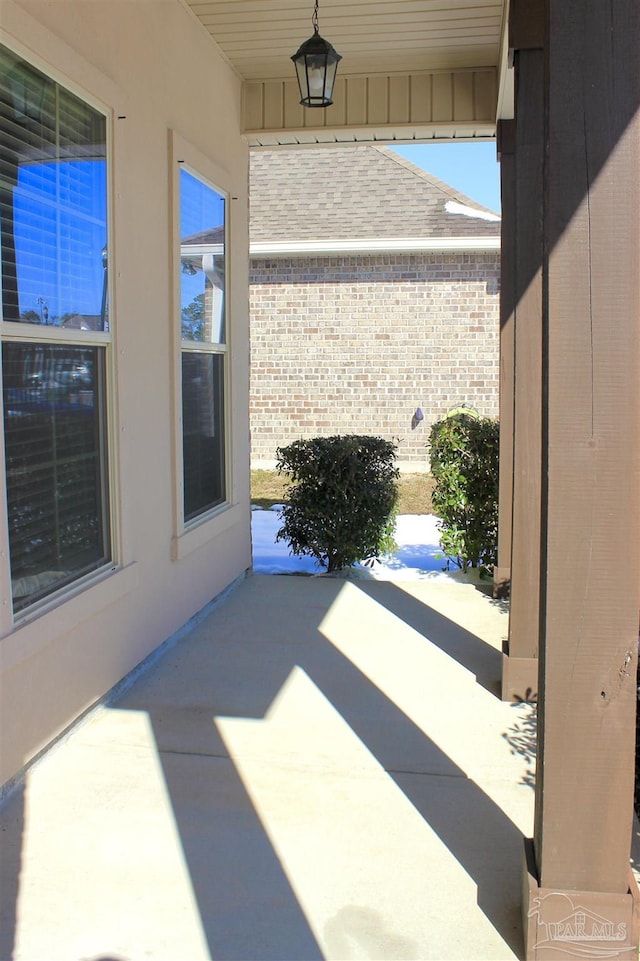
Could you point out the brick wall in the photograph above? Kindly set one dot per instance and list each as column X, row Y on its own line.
column 356, row 344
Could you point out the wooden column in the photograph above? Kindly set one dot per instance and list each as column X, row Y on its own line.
column 505, row 145
column 520, row 663
column 580, row 898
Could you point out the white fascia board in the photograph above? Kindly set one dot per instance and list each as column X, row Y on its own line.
column 381, row 245
column 505, row 109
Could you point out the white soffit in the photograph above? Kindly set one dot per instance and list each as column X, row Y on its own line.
column 258, row 37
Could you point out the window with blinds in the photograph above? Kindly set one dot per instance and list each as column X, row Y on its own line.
column 204, row 350
column 53, row 245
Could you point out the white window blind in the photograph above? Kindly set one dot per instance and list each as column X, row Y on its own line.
column 53, row 242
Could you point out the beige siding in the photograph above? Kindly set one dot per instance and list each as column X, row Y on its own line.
column 410, row 106
column 153, row 68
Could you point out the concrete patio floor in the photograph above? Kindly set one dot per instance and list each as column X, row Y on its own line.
column 319, row 769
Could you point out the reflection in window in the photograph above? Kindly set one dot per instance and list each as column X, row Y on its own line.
column 53, row 242
column 202, row 322
column 53, row 401
column 53, row 202
column 202, row 261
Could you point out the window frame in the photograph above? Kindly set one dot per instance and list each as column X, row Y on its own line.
column 24, row 332
column 190, row 535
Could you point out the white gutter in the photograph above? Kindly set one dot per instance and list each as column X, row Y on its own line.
column 376, row 245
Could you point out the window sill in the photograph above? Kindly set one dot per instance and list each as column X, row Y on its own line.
column 204, row 530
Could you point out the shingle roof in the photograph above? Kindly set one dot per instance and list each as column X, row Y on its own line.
column 349, row 192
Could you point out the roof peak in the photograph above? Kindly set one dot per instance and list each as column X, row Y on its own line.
column 356, row 192
column 454, row 194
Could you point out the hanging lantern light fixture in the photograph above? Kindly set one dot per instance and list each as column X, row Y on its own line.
column 316, row 64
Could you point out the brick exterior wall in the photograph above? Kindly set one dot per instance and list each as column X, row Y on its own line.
column 356, row 344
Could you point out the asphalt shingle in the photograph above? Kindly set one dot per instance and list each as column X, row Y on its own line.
column 347, row 192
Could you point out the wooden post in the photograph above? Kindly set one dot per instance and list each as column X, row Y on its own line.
column 505, row 145
column 520, row 660
column 580, row 898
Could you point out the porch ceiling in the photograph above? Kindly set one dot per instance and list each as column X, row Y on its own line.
column 379, row 40
column 374, row 36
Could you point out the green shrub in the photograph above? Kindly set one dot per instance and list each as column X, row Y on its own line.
column 342, row 499
column 464, row 451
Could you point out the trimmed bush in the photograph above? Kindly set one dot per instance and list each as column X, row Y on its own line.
column 341, row 503
column 464, row 451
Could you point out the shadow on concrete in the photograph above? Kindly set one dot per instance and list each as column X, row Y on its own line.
column 10, row 867
column 225, row 668
column 469, row 650
column 247, row 906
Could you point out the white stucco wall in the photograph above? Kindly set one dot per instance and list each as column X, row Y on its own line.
column 153, row 67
